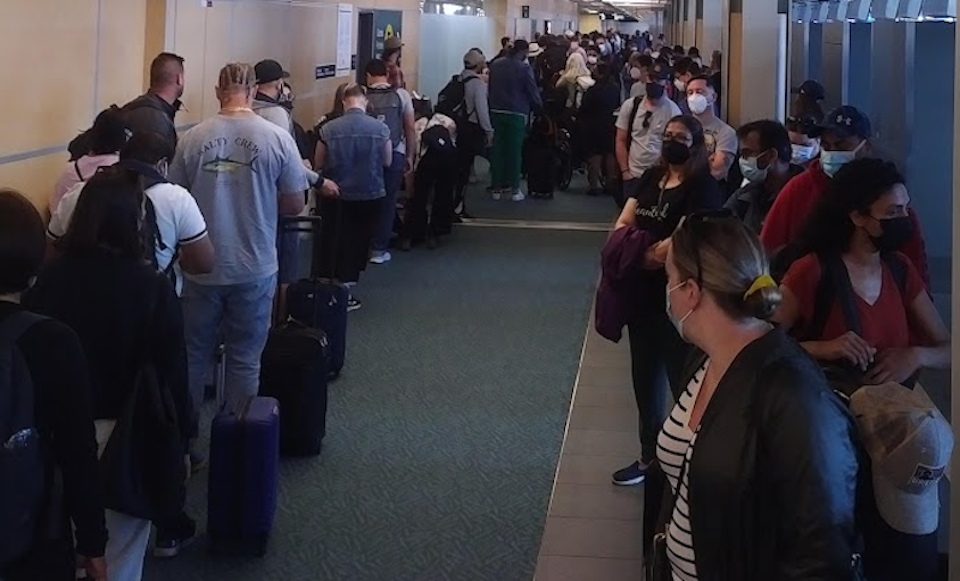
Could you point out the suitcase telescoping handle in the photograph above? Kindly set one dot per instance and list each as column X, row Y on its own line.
column 220, row 376
column 309, row 224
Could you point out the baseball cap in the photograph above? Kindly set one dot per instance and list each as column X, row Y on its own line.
column 845, row 121
column 569, row 33
column 535, row 49
column 392, row 43
column 909, row 443
column 473, row 59
column 812, row 89
column 269, row 70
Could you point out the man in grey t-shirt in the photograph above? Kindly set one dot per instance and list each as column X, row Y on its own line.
column 244, row 172
column 722, row 142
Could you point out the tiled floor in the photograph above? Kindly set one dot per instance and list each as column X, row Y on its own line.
column 593, row 530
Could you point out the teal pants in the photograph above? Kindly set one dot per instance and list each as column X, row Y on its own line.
column 509, row 131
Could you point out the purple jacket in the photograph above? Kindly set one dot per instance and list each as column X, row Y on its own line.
column 618, row 295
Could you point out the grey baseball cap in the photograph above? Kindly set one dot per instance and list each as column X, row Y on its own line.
column 909, row 443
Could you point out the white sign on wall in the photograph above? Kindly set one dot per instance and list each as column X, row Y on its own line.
column 344, row 38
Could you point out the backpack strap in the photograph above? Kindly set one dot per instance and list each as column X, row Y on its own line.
column 899, row 271
column 637, row 101
column 834, row 282
column 14, row 326
column 76, row 168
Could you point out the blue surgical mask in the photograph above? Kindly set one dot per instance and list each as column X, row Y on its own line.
column 677, row 323
column 803, row 153
column 750, row 169
column 832, row 161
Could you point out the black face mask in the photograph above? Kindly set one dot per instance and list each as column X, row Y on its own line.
column 675, row 153
column 654, row 91
column 896, row 233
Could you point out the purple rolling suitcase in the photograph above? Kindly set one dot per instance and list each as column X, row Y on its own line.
column 244, row 469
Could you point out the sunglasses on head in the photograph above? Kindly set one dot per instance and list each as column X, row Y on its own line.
column 694, row 223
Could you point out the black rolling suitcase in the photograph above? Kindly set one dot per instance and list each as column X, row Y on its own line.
column 294, row 369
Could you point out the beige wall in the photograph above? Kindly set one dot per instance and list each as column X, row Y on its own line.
column 72, row 73
column 96, row 53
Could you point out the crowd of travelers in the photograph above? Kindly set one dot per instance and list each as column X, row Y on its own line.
column 772, row 280
column 774, row 286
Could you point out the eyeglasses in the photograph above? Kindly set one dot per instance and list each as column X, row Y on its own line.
column 694, row 224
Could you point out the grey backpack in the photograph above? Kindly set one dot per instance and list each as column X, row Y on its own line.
column 387, row 106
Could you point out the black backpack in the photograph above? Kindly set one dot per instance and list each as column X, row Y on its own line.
column 23, row 466
column 151, row 233
column 451, row 100
column 82, row 144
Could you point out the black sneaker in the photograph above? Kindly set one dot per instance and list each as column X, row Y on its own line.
column 353, row 304
column 631, row 475
column 173, row 538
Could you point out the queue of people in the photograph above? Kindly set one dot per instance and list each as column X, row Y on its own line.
column 159, row 250
column 789, row 322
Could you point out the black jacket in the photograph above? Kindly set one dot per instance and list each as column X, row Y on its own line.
column 773, row 476
column 149, row 112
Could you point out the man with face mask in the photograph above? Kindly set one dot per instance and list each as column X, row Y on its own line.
column 765, row 154
column 683, row 73
column 640, row 126
column 805, row 148
column 721, row 138
column 844, row 136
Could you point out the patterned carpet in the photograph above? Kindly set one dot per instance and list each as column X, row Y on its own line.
column 444, row 431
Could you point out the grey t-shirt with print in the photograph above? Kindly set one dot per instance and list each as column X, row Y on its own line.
column 720, row 137
column 235, row 167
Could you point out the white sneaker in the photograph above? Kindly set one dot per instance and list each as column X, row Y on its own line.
column 518, row 196
column 380, row 257
column 496, row 194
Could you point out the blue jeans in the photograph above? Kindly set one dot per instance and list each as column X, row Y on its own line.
column 392, row 178
column 242, row 313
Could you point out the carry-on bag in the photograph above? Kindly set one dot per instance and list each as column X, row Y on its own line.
column 244, row 469
column 293, row 370
column 320, row 302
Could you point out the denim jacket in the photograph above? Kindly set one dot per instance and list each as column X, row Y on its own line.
column 355, row 155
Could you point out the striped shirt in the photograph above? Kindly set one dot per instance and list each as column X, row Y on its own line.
column 674, row 448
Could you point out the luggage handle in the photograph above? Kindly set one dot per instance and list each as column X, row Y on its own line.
column 220, row 376
column 306, row 224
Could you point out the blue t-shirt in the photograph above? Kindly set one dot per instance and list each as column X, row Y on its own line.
column 235, row 167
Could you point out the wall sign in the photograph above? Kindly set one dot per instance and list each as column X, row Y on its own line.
column 344, row 38
column 524, row 12
column 386, row 24
column 325, row 71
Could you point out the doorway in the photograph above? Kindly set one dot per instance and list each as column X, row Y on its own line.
column 364, row 44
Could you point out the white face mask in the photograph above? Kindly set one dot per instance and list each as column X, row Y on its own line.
column 635, row 73
column 832, row 161
column 591, row 60
column 680, row 85
column 803, row 153
column 750, row 169
column 698, row 103
column 655, row 54
column 677, row 323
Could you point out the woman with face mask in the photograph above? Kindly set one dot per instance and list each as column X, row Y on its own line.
column 861, row 310
column 656, row 202
column 758, row 456
column 852, row 240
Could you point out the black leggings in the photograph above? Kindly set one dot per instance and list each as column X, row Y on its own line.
column 657, row 356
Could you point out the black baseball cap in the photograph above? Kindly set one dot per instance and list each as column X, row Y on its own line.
column 845, row 121
column 268, row 71
column 812, row 89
